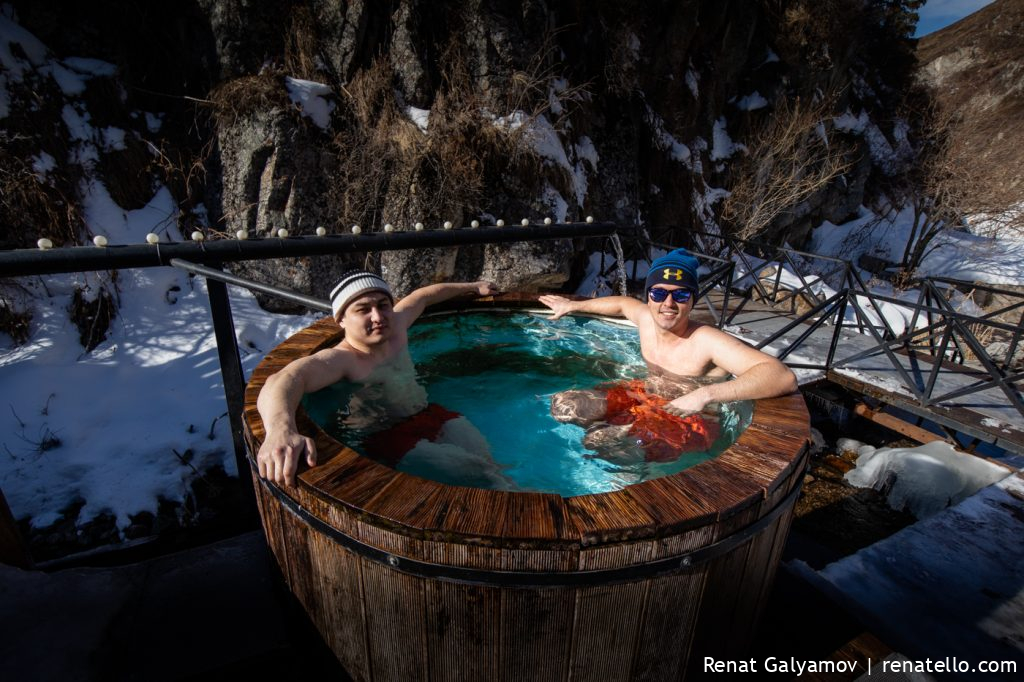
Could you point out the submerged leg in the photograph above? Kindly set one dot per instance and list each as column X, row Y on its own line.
column 614, row 444
column 458, row 455
column 579, row 407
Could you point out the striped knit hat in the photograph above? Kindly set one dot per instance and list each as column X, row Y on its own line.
column 352, row 285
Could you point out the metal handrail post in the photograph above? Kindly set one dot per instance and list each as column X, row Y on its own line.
column 234, row 381
column 893, row 360
column 726, row 292
column 834, row 342
column 810, row 330
column 1013, row 344
column 983, row 357
column 934, row 375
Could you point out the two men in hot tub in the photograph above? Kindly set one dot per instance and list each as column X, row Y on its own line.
column 676, row 349
column 374, row 355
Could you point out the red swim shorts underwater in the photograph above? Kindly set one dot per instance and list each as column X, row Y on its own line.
column 391, row 445
column 662, row 435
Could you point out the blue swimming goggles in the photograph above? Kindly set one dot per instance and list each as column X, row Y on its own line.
column 678, row 295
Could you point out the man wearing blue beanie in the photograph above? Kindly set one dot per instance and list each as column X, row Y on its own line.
column 676, row 268
column 674, row 346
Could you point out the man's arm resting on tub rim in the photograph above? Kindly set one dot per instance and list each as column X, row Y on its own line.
column 283, row 445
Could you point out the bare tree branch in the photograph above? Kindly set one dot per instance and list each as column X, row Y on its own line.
column 789, row 160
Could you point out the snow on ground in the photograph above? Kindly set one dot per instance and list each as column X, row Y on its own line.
column 147, row 398
column 751, row 102
column 923, row 480
column 958, row 254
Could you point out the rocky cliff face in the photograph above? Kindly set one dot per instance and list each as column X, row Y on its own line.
column 975, row 69
column 334, row 114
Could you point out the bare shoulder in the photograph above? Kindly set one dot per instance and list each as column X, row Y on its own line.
column 729, row 352
column 324, row 367
column 634, row 310
column 707, row 333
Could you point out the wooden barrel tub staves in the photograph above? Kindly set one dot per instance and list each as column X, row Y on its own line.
column 410, row 579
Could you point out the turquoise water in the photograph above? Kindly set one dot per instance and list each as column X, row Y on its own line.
column 499, row 371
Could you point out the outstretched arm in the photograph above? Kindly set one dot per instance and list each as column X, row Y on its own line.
column 757, row 374
column 412, row 306
column 283, row 445
column 611, row 306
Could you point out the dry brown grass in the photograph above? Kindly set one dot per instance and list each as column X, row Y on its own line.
column 786, row 163
column 813, row 32
column 391, row 171
column 15, row 322
column 32, row 206
column 242, row 96
column 301, row 50
column 93, row 314
column 387, row 169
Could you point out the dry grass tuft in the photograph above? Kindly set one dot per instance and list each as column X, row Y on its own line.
column 301, row 51
column 93, row 315
column 33, row 206
column 15, row 323
column 390, row 170
column 787, row 162
column 242, row 96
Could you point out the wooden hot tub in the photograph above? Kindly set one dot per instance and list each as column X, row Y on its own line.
column 410, row 579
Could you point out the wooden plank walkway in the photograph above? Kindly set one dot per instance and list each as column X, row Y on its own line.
column 987, row 415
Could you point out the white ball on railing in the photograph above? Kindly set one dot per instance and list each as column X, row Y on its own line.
column 547, row 221
column 500, row 223
column 282, row 233
column 321, row 231
column 152, row 238
column 448, row 225
column 475, row 223
column 524, row 222
column 242, row 234
column 590, row 219
column 99, row 240
column 419, row 227
column 356, row 229
column 44, row 244
column 389, row 227
column 198, row 236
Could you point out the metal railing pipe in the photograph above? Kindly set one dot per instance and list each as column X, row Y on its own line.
column 22, row 262
column 228, row 278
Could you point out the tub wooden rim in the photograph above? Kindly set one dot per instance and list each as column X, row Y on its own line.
column 349, row 491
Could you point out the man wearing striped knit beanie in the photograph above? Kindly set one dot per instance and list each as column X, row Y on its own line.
column 374, row 357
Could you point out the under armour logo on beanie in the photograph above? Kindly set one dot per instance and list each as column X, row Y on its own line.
column 352, row 285
column 678, row 268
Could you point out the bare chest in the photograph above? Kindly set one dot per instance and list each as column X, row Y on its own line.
column 679, row 356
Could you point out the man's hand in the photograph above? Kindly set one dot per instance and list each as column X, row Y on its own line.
column 559, row 304
column 691, row 403
column 278, row 458
column 485, row 288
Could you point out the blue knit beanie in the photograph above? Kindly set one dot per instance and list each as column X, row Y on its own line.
column 677, row 267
